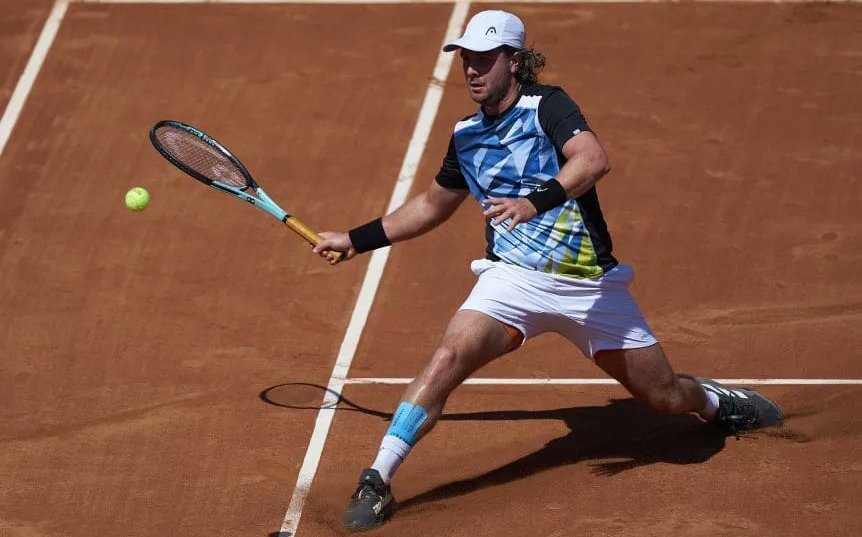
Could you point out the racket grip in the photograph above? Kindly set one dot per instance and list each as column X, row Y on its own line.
column 309, row 235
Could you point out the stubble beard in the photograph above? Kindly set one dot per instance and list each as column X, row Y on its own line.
column 494, row 95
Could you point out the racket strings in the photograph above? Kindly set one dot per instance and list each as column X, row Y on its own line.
column 199, row 156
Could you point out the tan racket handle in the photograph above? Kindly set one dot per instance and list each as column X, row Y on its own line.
column 311, row 236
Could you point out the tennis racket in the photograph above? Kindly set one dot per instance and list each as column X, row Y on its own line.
column 211, row 163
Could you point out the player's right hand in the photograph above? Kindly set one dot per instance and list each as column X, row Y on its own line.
column 335, row 242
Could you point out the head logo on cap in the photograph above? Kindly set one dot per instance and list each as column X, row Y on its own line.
column 488, row 30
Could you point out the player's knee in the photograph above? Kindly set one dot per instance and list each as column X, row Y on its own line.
column 441, row 367
column 443, row 361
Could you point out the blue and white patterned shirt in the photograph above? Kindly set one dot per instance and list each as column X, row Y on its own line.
column 508, row 156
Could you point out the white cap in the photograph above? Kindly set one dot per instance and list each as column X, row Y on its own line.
column 488, row 30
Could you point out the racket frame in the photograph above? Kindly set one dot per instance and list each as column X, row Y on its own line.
column 263, row 201
column 268, row 204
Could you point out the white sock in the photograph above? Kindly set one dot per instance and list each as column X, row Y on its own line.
column 711, row 407
column 392, row 453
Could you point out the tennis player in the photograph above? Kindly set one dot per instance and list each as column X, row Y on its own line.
column 531, row 160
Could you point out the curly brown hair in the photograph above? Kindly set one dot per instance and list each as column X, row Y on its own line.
column 530, row 62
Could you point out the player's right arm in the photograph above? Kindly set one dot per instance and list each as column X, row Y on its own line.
column 419, row 215
column 422, row 213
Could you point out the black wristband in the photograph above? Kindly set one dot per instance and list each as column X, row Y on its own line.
column 551, row 194
column 370, row 236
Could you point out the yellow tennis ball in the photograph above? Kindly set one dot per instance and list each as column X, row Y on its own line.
column 137, row 199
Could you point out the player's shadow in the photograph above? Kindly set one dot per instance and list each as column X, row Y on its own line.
column 614, row 438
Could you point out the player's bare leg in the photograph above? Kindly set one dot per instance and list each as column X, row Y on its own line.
column 647, row 375
column 471, row 340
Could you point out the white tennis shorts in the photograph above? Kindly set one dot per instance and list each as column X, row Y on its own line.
column 595, row 315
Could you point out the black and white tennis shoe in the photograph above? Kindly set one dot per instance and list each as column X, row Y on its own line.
column 740, row 409
column 371, row 505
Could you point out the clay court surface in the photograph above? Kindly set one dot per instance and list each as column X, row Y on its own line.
column 134, row 347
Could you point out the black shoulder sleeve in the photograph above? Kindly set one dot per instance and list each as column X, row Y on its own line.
column 561, row 118
column 450, row 175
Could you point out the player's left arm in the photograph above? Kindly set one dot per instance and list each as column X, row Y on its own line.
column 585, row 163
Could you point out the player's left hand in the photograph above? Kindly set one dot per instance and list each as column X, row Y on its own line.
column 516, row 210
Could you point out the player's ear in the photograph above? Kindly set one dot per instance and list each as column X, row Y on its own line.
column 514, row 62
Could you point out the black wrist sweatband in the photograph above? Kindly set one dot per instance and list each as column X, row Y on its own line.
column 551, row 194
column 370, row 236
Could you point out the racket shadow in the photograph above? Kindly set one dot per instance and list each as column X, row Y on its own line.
column 309, row 396
column 617, row 437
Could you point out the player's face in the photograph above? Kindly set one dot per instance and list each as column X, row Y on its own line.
column 489, row 75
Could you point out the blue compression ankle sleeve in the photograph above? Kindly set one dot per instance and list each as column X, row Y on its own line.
column 408, row 419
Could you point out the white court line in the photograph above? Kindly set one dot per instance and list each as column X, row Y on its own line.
column 31, row 71
column 606, row 381
column 371, row 281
